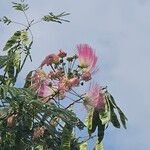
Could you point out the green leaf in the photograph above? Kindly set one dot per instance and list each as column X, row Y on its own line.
column 114, row 119
column 55, row 18
column 101, row 129
column 3, row 91
column 10, row 69
column 20, row 6
column 93, row 120
column 99, row 146
column 66, row 137
column 16, row 59
column 24, row 37
column 5, row 20
column 3, row 61
column 123, row 118
column 105, row 115
column 83, row 146
column 11, row 64
column 3, row 112
column 13, row 41
column 89, row 119
column 28, row 80
column 39, row 147
column 15, row 92
column 2, row 79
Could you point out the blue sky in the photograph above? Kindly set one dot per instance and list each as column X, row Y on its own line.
column 119, row 30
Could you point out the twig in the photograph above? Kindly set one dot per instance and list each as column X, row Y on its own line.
column 52, row 68
column 74, row 103
column 18, row 23
column 36, row 22
column 77, row 93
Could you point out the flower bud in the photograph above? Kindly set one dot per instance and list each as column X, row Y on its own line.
column 62, row 54
column 74, row 81
column 86, row 76
column 55, row 59
column 52, row 58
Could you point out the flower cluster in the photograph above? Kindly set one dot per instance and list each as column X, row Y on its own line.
column 67, row 72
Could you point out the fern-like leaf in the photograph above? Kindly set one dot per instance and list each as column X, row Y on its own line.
column 66, row 137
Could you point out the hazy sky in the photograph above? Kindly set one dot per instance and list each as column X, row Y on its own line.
column 119, row 30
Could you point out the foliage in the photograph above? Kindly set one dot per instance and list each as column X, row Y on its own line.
column 55, row 18
column 20, row 6
column 5, row 20
column 40, row 114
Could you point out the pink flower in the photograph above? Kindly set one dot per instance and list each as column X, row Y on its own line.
column 62, row 89
column 64, row 84
column 95, row 98
column 52, row 58
column 45, row 90
column 38, row 77
column 62, row 54
column 87, row 57
column 41, row 84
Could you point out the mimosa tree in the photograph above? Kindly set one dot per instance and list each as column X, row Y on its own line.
column 40, row 114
